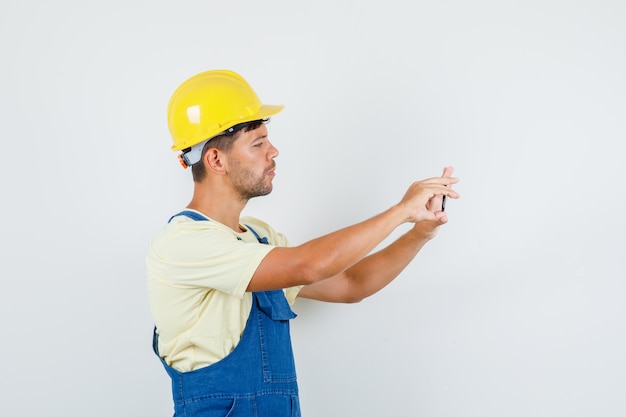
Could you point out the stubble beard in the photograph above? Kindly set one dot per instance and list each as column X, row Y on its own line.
column 248, row 185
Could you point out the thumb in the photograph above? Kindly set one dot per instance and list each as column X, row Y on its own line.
column 441, row 217
column 435, row 217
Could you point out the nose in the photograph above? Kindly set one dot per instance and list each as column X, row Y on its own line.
column 273, row 151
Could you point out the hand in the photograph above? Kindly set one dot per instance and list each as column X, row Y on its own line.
column 428, row 229
column 423, row 198
column 436, row 203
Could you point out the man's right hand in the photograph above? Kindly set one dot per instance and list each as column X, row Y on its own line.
column 418, row 198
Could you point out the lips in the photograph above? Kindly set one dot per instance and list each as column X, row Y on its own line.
column 271, row 170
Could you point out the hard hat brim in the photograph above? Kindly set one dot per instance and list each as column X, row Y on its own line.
column 265, row 111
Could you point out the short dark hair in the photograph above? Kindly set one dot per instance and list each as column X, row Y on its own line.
column 224, row 142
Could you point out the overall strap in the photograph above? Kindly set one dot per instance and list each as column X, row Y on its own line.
column 191, row 214
column 262, row 240
column 199, row 217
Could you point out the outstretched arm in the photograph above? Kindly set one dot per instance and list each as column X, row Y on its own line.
column 375, row 271
column 330, row 255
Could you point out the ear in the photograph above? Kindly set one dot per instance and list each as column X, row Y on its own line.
column 214, row 160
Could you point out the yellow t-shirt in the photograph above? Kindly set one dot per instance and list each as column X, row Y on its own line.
column 198, row 272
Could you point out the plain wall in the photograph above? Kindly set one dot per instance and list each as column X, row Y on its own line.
column 515, row 309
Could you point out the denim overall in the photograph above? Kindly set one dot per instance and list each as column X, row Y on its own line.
column 257, row 379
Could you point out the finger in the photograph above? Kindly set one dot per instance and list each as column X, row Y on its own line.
column 439, row 202
column 442, row 190
column 440, row 180
column 450, row 193
column 435, row 198
column 439, row 217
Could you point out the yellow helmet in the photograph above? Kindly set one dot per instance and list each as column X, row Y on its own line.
column 209, row 104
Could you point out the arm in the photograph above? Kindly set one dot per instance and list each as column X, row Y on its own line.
column 331, row 254
column 374, row 272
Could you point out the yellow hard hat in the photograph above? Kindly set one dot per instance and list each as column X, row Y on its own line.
column 210, row 103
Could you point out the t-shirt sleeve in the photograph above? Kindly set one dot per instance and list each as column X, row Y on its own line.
column 291, row 293
column 204, row 255
column 276, row 239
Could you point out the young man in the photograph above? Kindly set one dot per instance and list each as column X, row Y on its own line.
column 220, row 286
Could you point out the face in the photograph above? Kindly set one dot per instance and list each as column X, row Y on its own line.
column 251, row 164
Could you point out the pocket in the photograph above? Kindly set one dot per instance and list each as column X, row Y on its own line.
column 211, row 407
column 295, row 406
column 277, row 405
column 274, row 305
column 276, row 352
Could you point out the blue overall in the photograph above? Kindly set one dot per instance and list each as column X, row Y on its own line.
column 257, row 379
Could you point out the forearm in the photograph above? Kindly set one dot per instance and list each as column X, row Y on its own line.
column 325, row 256
column 375, row 271
column 370, row 274
column 337, row 251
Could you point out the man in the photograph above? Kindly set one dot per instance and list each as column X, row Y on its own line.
column 220, row 286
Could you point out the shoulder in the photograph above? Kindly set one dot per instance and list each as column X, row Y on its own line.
column 265, row 230
column 183, row 227
column 183, row 237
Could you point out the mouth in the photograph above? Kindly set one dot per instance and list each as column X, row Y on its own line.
column 271, row 170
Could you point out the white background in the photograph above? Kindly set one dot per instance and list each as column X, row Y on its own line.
column 516, row 309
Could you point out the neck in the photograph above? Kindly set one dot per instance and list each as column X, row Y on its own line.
column 220, row 207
